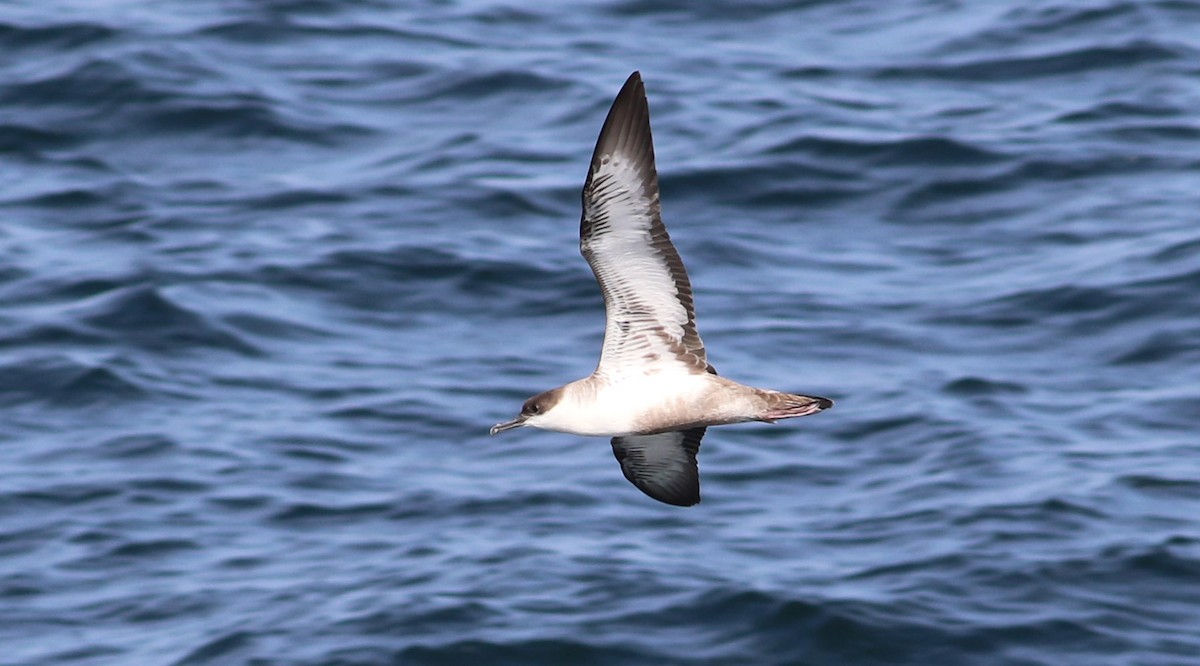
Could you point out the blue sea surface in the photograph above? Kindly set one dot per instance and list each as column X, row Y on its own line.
column 269, row 269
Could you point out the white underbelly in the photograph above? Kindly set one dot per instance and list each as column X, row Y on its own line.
column 630, row 407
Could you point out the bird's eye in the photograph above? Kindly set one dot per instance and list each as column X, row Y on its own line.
column 533, row 408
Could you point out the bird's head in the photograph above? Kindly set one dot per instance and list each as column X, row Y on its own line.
column 535, row 412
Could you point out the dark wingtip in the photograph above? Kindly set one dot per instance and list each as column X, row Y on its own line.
column 824, row 403
column 626, row 129
column 678, row 500
column 632, row 91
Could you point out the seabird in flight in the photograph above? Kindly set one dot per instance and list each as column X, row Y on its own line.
column 654, row 391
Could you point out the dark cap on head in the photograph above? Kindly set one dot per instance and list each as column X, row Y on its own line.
column 537, row 405
column 541, row 403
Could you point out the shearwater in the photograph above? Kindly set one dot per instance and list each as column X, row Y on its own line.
column 654, row 391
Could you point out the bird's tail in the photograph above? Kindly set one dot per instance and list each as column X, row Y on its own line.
column 789, row 405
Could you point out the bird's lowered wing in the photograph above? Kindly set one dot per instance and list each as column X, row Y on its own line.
column 663, row 465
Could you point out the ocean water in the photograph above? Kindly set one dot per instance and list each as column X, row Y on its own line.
column 270, row 269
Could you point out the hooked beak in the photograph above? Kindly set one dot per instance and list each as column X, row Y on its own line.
column 507, row 425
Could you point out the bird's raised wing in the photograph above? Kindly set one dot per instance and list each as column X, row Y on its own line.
column 651, row 322
column 664, row 465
